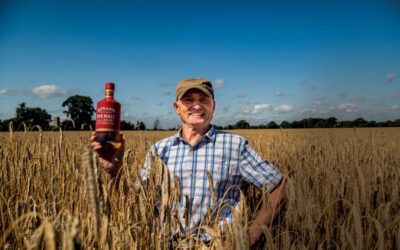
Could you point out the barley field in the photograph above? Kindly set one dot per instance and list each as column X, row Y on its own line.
column 343, row 192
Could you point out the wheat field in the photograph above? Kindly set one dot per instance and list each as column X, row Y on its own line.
column 343, row 192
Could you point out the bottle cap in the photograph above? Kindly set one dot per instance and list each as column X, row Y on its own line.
column 110, row 85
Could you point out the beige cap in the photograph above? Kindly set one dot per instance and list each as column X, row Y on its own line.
column 194, row 83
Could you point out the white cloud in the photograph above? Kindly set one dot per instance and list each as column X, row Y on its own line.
column 256, row 109
column 390, row 96
column 395, row 107
column 348, row 107
column 48, row 91
column 308, row 111
column 283, row 109
column 218, row 83
column 359, row 98
column 318, row 103
column 390, row 78
column 255, row 80
column 7, row 92
column 241, row 96
column 279, row 93
column 135, row 97
column 128, row 117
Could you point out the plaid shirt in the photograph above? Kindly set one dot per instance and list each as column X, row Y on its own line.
column 230, row 161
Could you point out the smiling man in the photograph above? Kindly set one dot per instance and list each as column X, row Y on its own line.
column 197, row 149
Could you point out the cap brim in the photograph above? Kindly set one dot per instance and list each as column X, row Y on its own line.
column 204, row 90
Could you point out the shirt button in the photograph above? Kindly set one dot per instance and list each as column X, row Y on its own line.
column 190, row 174
column 191, row 152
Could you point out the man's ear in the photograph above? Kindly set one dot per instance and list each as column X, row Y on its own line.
column 176, row 107
column 214, row 105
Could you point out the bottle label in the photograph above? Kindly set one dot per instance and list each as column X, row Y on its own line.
column 107, row 117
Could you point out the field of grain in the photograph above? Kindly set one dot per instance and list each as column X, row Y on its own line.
column 343, row 192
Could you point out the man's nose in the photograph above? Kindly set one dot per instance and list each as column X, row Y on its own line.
column 196, row 105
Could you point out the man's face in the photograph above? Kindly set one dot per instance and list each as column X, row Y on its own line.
column 195, row 109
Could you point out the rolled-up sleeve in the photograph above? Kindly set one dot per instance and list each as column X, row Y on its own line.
column 257, row 171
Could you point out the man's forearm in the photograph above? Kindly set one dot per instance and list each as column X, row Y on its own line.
column 272, row 208
column 268, row 212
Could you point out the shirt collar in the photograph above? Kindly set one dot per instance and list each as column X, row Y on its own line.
column 210, row 135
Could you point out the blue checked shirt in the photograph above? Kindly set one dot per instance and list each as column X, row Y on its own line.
column 230, row 161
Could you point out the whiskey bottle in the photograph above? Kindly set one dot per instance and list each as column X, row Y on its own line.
column 108, row 114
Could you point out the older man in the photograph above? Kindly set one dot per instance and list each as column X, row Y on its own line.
column 198, row 147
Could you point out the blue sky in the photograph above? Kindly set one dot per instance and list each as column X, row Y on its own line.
column 268, row 60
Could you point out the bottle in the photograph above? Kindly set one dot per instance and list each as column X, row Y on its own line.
column 108, row 114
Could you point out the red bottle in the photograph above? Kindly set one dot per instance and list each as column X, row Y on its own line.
column 108, row 114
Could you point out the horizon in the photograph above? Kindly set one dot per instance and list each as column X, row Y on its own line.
column 268, row 61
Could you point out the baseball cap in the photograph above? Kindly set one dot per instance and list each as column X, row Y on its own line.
column 194, row 83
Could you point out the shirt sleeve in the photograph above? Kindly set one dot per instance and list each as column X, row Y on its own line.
column 145, row 172
column 256, row 171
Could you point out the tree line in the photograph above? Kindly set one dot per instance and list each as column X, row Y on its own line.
column 331, row 122
column 80, row 110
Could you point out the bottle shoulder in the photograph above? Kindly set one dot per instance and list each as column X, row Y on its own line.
column 108, row 101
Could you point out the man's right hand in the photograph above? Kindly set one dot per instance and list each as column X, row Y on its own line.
column 110, row 158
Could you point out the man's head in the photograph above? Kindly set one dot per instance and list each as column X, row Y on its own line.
column 194, row 83
column 195, row 102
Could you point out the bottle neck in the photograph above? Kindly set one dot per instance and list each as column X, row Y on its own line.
column 110, row 93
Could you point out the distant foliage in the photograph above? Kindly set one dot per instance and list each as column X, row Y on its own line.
column 330, row 122
column 80, row 109
column 28, row 116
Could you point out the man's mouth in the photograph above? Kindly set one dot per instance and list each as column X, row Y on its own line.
column 197, row 114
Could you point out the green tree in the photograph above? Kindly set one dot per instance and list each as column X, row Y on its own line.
column 285, row 124
column 332, row 121
column 80, row 109
column 32, row 116
column 360, row 122
column 156, row 125
column 140, row 125
column 272, row 124
column 242, row 124
column 125, row 125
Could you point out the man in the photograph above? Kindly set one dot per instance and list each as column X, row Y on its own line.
column 198, row 148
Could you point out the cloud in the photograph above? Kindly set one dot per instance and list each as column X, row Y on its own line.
column 390, row 96
column 48, row 92
column 308, row 111
column 283, row 109
column 166, row 94
column 302, row 82
column 359, row 98
column 318, row 103
column 313, row 88
column 396, row 107
column 279, row 93
column 343, row 95
column 390, row 78
column 256, row 109
column 255, row 80
column 348, row 107
column 226, row 109
column 6, row 92
column 128, row 117
column 218, row 83
column 241, row 96
column 135, row 97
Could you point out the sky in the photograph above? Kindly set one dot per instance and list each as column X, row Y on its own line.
column 267, row 60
